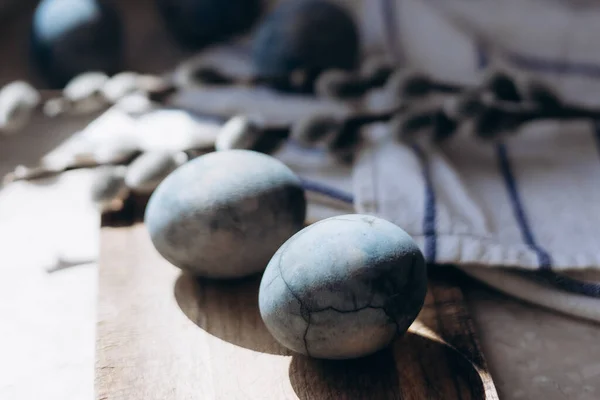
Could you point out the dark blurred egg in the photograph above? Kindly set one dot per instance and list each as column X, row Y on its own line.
column 305, row 35
column 197, row 23
column 69, row 37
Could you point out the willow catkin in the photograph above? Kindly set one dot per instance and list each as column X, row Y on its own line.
column 148, row 170
column 340, row 85
column 18, row 101
column 84, row 92
column 240, row 132
column 120, row 85
column 314, row 129
column 376, row 71
column 108, row 188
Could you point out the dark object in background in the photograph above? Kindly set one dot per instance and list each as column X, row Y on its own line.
column 504, row 87
column 542, row 95
column 305, row 35
column 198, row 23
column 69, row 37
column 251, row 132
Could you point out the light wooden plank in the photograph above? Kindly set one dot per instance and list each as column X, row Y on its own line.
column 166, row 335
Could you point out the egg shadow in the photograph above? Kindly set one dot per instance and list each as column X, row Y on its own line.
column 134, row 207
column 446, row 312
column 227, row 309
column 372, row 377
column 417, row 365
column 414, row 367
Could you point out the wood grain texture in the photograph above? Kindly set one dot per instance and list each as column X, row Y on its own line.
column 165, row 335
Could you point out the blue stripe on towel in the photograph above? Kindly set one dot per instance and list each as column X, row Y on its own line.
column 544, row 65
column 429, row 214
column 569, row 284
column 518, row 209
column 511, row 186
column 328, row 191
column 545, row 274
column 482, row 57
column 430, row 209
column 597, row 135
column 389, row 15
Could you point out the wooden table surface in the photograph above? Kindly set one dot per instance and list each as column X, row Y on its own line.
column 166, row 335
column 532, row 353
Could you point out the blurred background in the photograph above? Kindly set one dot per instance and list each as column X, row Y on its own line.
column 150, row 44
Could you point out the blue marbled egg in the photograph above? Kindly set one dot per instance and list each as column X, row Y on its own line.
column 343, row 287
column 198, row 23
column 69, row 37
column 224, row 214
column 308, row 35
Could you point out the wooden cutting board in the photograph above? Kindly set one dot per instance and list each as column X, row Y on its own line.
column 165, row 335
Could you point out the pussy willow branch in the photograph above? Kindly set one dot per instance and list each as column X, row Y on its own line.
column 497, row 107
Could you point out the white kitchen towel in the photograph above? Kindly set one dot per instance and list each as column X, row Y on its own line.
column 531, row 202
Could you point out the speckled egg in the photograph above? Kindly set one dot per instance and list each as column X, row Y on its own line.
column 224, row 214
column 308, row 35
column 69, row 37
column 343, row 287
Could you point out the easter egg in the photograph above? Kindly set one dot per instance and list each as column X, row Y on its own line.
column 307, row 35
column 70, row 37
column 224, row 214
column 343, row 287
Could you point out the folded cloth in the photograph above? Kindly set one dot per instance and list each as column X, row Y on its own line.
column 540, row 293
column 530, row 202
